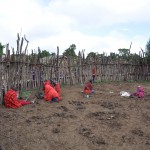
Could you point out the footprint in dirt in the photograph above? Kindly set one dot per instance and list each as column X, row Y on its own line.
column 114, row 125
column 78, row 105
column 28, row 121
column 138, row 132
column 61, row 115
column 34, row 119
column 1, row 147
column 86, row 132
column 55, row 130
column 98, row 141
column 128, row 139
column 110, row 105
column 63, row 108
column 104, row 115
column 64, row 115
column 146, row 117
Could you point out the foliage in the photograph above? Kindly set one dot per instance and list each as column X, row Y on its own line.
column 1, row 48
column 124, row 52
column 70, row 51
column 44, row 53
column 91, row 55
column 24, row 94
column 134, row 57
column 101, row 55
column 147, row 53
column 113, row 56
column 148, row 48
column 126, row 55
column 53, row 54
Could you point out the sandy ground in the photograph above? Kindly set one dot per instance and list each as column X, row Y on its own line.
column 105, row 121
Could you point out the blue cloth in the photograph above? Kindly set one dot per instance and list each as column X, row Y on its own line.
column 54, row 99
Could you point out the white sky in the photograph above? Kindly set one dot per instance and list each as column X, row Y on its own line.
column 94, row 25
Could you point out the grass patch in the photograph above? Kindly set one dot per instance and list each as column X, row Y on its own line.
column 26, row 93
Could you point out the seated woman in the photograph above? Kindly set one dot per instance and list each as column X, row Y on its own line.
column 139, row 93
column 11, row 100
column 56, row 86
column 50, row 93
column 88, row 87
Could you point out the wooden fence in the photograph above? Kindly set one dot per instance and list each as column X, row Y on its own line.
column 29, row 71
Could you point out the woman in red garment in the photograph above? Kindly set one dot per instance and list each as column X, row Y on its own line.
column 56, row 86
column 88, row 87
column 93, row 73
column 50, row 93
column 139, row 93
column 11, row 100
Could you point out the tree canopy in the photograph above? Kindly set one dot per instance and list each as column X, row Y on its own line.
column 124, row 52
column 1, row 48
column 91, row 55
column 148, row 48
column 44, row 53
column 147, row 52
column 70, row 51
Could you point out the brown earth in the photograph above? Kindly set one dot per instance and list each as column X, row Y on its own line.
column 105, row 121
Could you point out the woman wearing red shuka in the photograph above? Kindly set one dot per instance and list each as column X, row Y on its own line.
column 56, row 86
column 11, row 100
column 50, row 93
column 93, row 73
column 45, row 83
column 88, row 87
column 139, row 93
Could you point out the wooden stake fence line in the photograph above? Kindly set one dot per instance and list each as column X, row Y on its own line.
column 17, row 70
column 29, row 71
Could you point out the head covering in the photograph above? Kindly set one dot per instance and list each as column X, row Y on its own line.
column 90, row 80
column 140, row 89
column 51, row 81
column 46, row 82
column 54, row 82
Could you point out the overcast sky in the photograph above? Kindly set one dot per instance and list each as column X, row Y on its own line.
column 94, row 25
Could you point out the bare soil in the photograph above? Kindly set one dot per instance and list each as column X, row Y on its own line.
column 105, row 121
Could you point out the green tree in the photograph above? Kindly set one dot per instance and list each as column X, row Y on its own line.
column 113, row 56
column 53, row 54
column 134, row 57
column 44, row 53
column 70, row 51
column 148, row 48
column 91, row 55
column 124, row 52
column 1, row 48
column 147, row 52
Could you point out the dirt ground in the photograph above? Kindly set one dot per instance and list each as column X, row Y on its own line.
column 105, row 121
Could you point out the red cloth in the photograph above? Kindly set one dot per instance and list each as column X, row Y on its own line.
column 88, row 88
column 24, row 102
column 140, row 92
column 87, row 91
column 57, row 88
column 11, row 100
column 45, row 83
column 50, row 92
column 93, row 71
